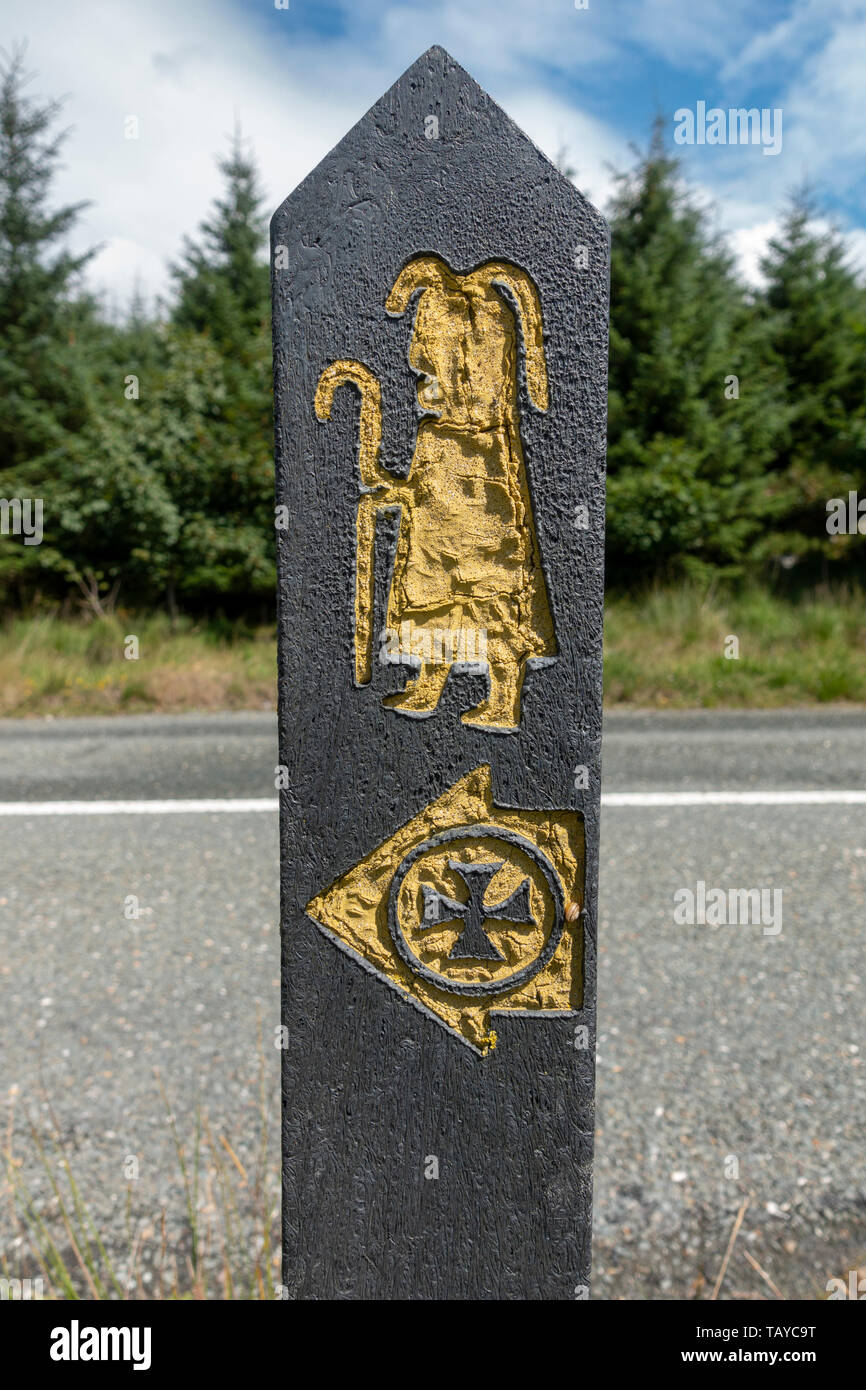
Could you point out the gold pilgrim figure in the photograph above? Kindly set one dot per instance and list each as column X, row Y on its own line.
column 467, row 582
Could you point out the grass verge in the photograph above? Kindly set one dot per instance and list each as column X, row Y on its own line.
column 49, row 666
column 686, row 648
column 674, row 648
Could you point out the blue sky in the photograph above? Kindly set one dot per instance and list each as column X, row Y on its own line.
column 587, row 79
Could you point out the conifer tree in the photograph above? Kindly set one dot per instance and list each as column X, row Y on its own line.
column 814, row 312
column 222, row 278
column 687, row 444
column 40, row 306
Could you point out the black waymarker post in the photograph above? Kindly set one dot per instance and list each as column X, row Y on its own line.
column 440, row 354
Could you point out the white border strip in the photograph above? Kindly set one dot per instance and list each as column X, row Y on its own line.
column 612, row 800
column 136, row 808
column 756, row 798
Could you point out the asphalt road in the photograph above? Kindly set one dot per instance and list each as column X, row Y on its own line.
column 732, row 1061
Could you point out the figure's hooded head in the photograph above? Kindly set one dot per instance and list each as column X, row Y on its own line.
column 465, row 344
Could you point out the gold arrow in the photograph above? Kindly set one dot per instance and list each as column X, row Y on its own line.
column 470, row 909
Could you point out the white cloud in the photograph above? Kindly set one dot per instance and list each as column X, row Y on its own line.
column 817, row 59
column 855, row 241
column 749, row 244
column 804, row 30
column 496, row 38
column 189, row 72
column 686, row 34
column 121, row 267
column 591, row 147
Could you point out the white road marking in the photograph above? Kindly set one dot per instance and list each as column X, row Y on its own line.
column 612, row 800
column 731, row 798
column 137, row 808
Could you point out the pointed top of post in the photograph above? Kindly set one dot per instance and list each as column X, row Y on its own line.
column 438, row 101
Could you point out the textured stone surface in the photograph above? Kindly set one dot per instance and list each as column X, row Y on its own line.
column 371, row 1086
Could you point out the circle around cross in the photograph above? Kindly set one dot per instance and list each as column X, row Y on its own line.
column 471, row 987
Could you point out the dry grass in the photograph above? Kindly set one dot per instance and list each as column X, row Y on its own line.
column 227, row 1247
column 667, row 650
column 65, row 668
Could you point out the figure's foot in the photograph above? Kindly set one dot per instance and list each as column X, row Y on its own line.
column 421, row 695
column 486, row 716
column 410, row 702
column 501, row 709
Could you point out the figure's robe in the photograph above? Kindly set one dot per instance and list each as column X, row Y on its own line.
column 467, row 554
